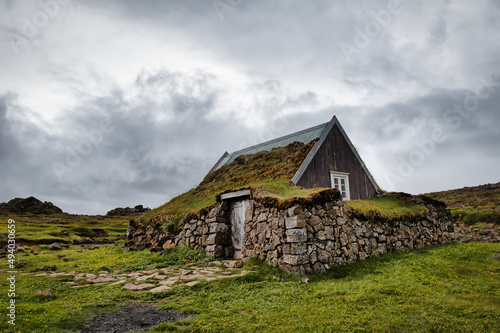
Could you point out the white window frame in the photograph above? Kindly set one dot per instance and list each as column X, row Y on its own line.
column 339, row 176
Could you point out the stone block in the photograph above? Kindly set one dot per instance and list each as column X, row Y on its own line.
column 343, row 239
column 218, row 238
column 168, row 244
column 321, row 235
column 262, row 217
column 314, row 220
column 218, row 227
column 318, row 227
column 248, row 215
column 324, row 256
column 294, row 260
column 313, row 257
column 329, row 232
column 296, row 221
column 296, row 235
column 295, row 210
column 295, row 248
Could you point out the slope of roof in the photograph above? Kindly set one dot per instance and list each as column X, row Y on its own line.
column 304, row 136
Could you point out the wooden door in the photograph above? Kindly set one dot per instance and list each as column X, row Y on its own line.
column 237, row 219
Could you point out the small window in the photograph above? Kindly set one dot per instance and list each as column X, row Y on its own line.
column 340, row 181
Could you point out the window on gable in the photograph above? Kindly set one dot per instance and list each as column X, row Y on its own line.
column 340, row 180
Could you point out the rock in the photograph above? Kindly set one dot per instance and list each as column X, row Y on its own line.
column 125, row 249
column 145, row 277
column 127, row 211
column 46, row 292
column 138, row 286
column 305, row 281
column 192, row 283
column 168, row 245
column 296, row 235
column 117, row 282
column 232, row 263
column 55, row 246
column 30, row 205
column 19, row 248
column 45, row 268
column 101, row 279
column 159, row 289
column 297, row 221
column 100, row 232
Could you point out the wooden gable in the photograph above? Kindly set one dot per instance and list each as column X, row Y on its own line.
column 335, row 153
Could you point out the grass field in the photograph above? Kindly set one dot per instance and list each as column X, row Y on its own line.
column 446, row 288
column 64, row 227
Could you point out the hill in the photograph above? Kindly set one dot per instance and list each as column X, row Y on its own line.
column 29, row 205
column 471, row 205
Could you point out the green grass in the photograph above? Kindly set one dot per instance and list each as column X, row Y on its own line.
column 451, row 288
column 66, row 312
column 388, row 206
column 478, row 214
column 473, row 205
column 34, row 228
column 445, row 288
column 85, row 259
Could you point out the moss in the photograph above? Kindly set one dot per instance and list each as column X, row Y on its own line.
column 390, row 207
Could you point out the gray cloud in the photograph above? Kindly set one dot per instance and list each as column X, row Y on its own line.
column 438, row 31
column 141, row 98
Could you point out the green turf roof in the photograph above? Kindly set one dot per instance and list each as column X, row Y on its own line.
column 304, row 136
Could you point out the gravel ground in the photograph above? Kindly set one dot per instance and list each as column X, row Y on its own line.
column 134, row 317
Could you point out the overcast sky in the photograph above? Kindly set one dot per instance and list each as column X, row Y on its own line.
column 115, row 103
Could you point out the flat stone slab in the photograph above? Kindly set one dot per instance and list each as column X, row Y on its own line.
column 192, row 283
column 191, row 277
column 232, row 263
column 117, row 282
column 145, row 277
column 138, row 286
column 101, row 279
column 160, row 288
column 166, row 277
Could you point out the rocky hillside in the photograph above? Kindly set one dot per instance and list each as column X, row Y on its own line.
column 476, row 204
column 29, row 205
column 127, row 211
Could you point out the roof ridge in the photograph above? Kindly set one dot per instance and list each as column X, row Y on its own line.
column 281, row 138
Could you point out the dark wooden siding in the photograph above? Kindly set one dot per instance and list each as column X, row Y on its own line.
column 335, row 155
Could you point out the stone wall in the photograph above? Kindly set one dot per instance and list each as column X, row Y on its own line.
column 313, row 234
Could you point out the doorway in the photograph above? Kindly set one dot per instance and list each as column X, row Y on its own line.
column 237, row 220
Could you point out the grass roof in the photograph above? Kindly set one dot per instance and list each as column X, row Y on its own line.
column 269, row 171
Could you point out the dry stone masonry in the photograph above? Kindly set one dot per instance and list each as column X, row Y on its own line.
column 305, row 235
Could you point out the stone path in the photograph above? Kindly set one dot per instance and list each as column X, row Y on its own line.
column 154, row 280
